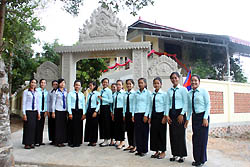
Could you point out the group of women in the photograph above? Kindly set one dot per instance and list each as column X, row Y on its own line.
column 117, row 111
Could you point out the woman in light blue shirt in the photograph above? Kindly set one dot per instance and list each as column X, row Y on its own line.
column 140, row 117
column 127, row 114
column 117, row 115
column 105, row 113
column 76, row 108
column 92, row 108
column 31, row 112
column 112, row 125
column 157, row 120
column 43, row 93
column 59, row 112
column 176, row 115
column 199, row 108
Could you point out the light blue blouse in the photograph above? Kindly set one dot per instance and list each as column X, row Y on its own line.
column 131, row 101
column 201, row 102
column 142, row 102
column 95, row 101
column 40, row 92
column 120, row 97
column 106, row 96
column 160, row 102
column 181, row 99
column 71, row 100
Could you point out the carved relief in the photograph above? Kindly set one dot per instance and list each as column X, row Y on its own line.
column 162, row 66
column 48, row 71
column 103, row 26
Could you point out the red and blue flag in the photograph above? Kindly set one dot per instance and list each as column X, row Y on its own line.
column 187, row 82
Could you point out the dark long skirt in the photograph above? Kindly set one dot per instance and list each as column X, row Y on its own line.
column 177, row 134
column 51, row 128
column 29, row 128
column 104, row 122
column 158, row 133
column 112, row 129
column 91, row 127
column 199, row 138
column 76, row 128
column 61, row 127
column 129, row 124
column 39, row 129
column 141, row 133
column 119, row 124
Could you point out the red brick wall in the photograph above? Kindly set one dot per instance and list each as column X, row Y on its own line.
column 216, row 100
column 242, row 102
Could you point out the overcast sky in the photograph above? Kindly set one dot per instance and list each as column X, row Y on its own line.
column 222, row 17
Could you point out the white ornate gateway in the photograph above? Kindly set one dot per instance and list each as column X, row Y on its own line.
column 104, row 36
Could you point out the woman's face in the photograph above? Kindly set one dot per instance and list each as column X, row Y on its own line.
column 43, row 84
column 77, row 86
column 141, row 84
column 105, row 83
column 175, row 79
column 195, row 83
column 113, row 88
column 91, row 86
column 55, row 85
column 157, row 84
column 33, row 84
column 119, row 85
column 130, row 85
column 62, row 84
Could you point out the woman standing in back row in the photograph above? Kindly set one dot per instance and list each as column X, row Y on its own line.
column 176, row 114
column 199, row 108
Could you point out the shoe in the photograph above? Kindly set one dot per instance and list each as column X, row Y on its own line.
column 93, row 144
column 42, row 144
column 52, row 143
column 142, row 154
column 27, row 147
column 173, row 158
column 160, row 157
column 37, row 145
column 101, row 143
column 120, row 147
column 196, row 163
column 78, row 145
column 32, row 146
column 155, row 155
column 111, row 144
column 127, row 149
column 132, row 151
column 181, row 160
column 104, row 145
column 137, row 153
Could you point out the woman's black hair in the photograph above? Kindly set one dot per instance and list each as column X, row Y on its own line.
column 113, row 84
column 144, row 80
column 105, row 79
column 77, row 81
column 60, row 81
column 131, row 80
column 175, row 73
column 32, row 80
column 94, row 84
column 42, row 80
column 119, row 81
column 197, row 76
column 158, row 78
column 54, row 82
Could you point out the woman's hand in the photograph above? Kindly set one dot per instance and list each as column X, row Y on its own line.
column 164, row 120
column 70, row 116
column 124, row 119
column 94, row 115
column 83, row 117
column 180, row 119
column 149, row 120
column 205, row 123
column 100, row 97
column 38, row 116
column 169, row 120
column 53, row 115
column 133, row 119
column 186, row 124
column 145, row 119
column 24, row 117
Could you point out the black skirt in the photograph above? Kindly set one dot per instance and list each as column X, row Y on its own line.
column 177, row 134
column 91, row 127
column 61, row 127
column 119, row 124
column 158, row 133
column 199, row 138
column 141, row 133
column 51, row 128
column 129, row 127
column 39, row 129
column 76, row 128
column 104, row 122
column 29, row 128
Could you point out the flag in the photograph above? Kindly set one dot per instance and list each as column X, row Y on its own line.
column 187, row 82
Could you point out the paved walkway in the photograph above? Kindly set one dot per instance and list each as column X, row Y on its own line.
column 108, row 156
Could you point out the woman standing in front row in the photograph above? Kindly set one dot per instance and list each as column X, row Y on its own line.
column 76, row 108
column 112, row 126
column 105, row 113
column 140, row 117
column 117, row 115
column 127, row 115
column 51, row 121
column 158, row 120
column 31, row 112
column 199, row 108
column 92, row 108
column 59, row 112
column 177, row 106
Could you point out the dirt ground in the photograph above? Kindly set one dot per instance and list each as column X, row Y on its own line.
column 236, row 146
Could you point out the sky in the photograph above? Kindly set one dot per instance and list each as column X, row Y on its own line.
column 221, row 17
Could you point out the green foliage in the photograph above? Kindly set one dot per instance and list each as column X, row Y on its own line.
column 90, row 70
column 236, row 71
column 203, row 69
